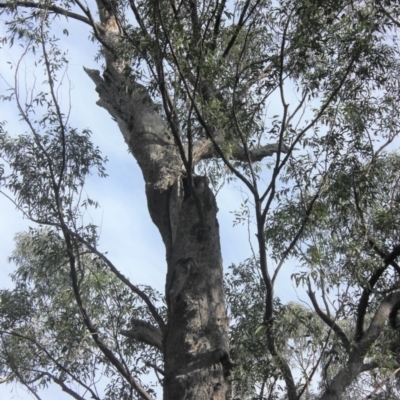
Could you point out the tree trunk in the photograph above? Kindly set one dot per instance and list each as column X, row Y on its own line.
column 195, row 340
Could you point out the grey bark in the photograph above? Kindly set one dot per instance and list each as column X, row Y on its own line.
column 204, row 149
column 195, row 344
column 144, row 332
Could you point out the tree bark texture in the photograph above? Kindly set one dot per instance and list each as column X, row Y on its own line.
column 195, row 340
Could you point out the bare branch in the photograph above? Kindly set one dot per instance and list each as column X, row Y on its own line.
column 144, row 332
column 203, row 150
column 44, row 6
column 64, row 387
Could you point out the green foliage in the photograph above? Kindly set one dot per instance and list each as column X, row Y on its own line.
column 43, row 334
column 301, row 336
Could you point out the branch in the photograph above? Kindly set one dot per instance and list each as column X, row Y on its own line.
column 58, row 365
column 389, row 259
column 355, row 365
column 64, row 387
column 304, row 222
column 328, row 321
column 369, row 366
column 124, row 279
column 112, row 267
column 382, row 384
column 204, row 150
column 321, row 111
column 221, row 7
column 155, row 367
column 387, row 13
column 108, row 353
column 364, row 300
column 11, row 361
column 242, row 21
column 7, row 378
column 309, row 378
column 393, row 255
column 209, row 131
column 55, row 9
column 144, row 332
column 390, row 303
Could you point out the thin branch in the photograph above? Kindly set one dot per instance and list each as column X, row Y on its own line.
column 124, row 279
column 313, row 122
column 94, row 25
column 55, row 101
column 242, row 20
column 7, row 378
column 64, row 387
column 59, row 366
column 314, row 370
column 272, row 185
column 298, row 234
column 392, row 375
column 388, row 14
column 53, row 8
column 155, row 367
column 112, row 267
column 239, row 130
column 328, row 321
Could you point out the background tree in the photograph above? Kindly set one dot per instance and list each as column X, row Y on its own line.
column 189, row 85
